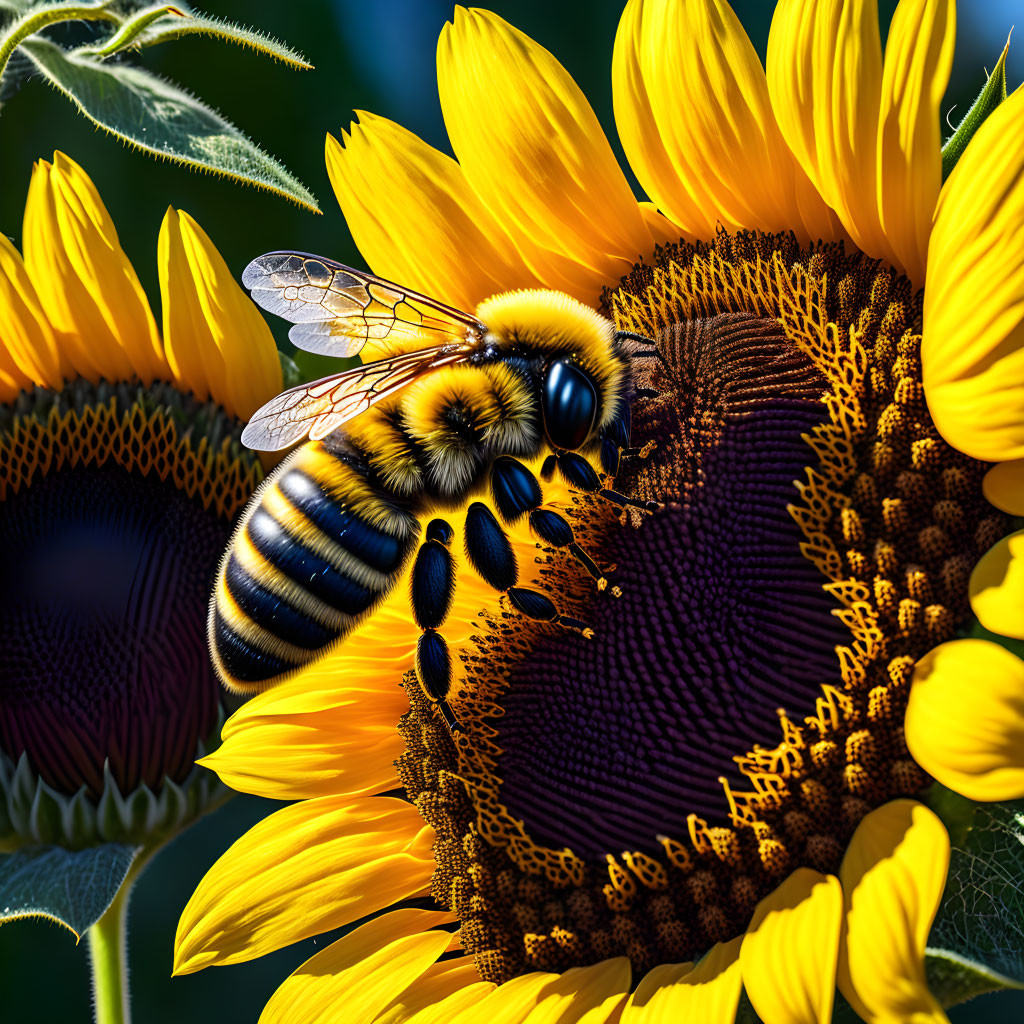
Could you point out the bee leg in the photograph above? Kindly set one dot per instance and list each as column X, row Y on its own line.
column 433, row 587
column 620, row 499
column 615, row 438
column 517, row 493
column 491, row 554
column 535, row 605
column 580, row 474
column 639, row 453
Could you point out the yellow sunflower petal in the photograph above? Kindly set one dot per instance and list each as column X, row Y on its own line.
column 696, row 123
column 86, row 285
column 450, row 1007
column 972, row 349
column 918, row 58
column 965, row 719
column 313, row 735
column 533, row 150
column 892, row 875
column 402, row 199
column 788, row 956
column 305, row 869
column 508, row 1003
column 824, row 68
column 997, row 587
column 348, row 749
column 583, row 995
column 657, row 978
column 354, row 978
column 434, row 986
column 28, row 350
column 1003, row 486
column 218, row 344
column 710, row 992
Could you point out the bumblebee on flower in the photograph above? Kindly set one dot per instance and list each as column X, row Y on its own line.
column 628, row 827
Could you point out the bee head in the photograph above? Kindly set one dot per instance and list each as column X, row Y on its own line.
column 568, row 405
column 583, row 378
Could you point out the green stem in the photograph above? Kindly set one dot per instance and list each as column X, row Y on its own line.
column 35, row 20
column 108, row 954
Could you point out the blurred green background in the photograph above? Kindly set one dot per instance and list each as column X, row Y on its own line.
column 376, row 55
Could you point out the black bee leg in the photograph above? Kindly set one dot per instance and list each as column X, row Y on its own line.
column 615, row 438
column 621, row 499
column 639, row 453
column 491, row 554
column 517, row 493
column 433, row 587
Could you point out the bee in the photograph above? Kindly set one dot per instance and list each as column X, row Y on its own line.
column 450, row 412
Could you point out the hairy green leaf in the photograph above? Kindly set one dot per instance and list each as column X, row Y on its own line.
column 993, row 93
column 71, row 887
column 161, row 118
column 954, row 979
column 175, row 28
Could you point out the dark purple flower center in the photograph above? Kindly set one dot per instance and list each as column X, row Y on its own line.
column 103, row 592
column 610, row 742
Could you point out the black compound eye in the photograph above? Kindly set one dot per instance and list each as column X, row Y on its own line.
column 569, row 403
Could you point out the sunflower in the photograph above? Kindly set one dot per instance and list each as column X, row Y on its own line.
column 714, row 795
column 121, row 473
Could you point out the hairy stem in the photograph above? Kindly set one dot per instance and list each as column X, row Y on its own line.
column 108, row 954
column 39, row 18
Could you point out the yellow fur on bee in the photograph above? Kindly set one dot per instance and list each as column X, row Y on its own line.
column 458, row 412
column 551, row 323
column 387, row 448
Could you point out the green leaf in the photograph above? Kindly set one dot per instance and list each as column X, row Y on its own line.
column 993, row 93
column 73, row 888
column 980, row 921
column 954, row 979
column 160, row 118
column 202, row 25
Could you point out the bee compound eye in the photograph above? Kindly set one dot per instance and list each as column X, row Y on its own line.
column 569, row 405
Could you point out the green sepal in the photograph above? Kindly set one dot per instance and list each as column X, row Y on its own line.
column 73, row 888
column 993, row 93
column 160, row 118
column 202, row 25
column 979, row 928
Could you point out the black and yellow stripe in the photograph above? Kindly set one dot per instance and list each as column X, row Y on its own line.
column 318, row 547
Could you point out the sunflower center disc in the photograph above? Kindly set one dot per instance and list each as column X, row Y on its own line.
column 608, row 743
column 103, row 595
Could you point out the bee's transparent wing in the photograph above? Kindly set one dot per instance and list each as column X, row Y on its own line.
column 314, row 410
column 336, row 309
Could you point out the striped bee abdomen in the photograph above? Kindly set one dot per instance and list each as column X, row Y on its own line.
column 318, row 547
